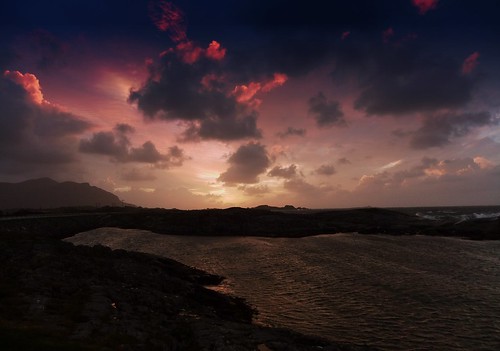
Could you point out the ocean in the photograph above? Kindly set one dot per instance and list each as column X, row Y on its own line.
column 391, row 292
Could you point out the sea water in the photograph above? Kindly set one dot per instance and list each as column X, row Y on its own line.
column 392, row 292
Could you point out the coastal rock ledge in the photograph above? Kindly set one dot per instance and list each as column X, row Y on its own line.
column 56, row 296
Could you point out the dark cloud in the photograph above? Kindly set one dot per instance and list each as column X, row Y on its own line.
column 34, row 132
column 439, row 130
column 124, row 128
column 137, row 175
column 106, row 143
column 118, row 146
column 343, row 161
column 246, row 164
column 175, row 92
column 326, row 170
column 254, row 190
column 326, row 113
column 403, row 79
column 283, row 172
column 16, row 111
column 223, row 129
column 290, row 131
column 52, row 122
column 300, row 186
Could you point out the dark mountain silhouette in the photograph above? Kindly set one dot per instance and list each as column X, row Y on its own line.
column 45, row 193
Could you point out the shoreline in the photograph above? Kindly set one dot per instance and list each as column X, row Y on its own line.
column 249, row 222
column 58, row 296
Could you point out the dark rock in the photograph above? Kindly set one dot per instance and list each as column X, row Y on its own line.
column 56, row 296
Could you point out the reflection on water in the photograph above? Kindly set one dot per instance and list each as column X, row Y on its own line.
column 411, row 293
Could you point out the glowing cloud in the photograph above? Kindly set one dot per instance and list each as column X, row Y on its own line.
column 215, row 51
column 470, row 63
column 425, row 5
column 29, row 82
column 189, row 52
column 245, row 93
column 278, row 80
column 168, row 17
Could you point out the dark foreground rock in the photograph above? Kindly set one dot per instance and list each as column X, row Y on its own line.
column 55, row 296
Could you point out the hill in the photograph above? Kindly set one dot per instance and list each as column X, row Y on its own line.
column 46, row 193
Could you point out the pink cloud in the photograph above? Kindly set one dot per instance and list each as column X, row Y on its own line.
column 215, row 51
column 387, row 34
column 29, row 82
column 278, row 80
column 168, row 17
column 189, row 52
column 425, row 5
column 470, row 63
column 345, row 35
column 245, row 93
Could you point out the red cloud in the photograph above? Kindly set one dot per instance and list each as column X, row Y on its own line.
column 425, row 5
column 278, row 80
column 215, row 51
column 189, row 52
column 29, row 82
column 470, row 63
column 168, row 17
column 245, row 93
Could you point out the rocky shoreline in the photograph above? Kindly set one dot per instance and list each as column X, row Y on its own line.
column 56, row 296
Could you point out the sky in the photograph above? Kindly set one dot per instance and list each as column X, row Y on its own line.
column 211, row 104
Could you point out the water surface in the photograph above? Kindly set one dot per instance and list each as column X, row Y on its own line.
column 397, row 293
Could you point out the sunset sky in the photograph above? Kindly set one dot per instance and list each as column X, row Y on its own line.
column 196, row 104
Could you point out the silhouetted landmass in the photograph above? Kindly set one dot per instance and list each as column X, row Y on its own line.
column 249, row 222
column 46, row 193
